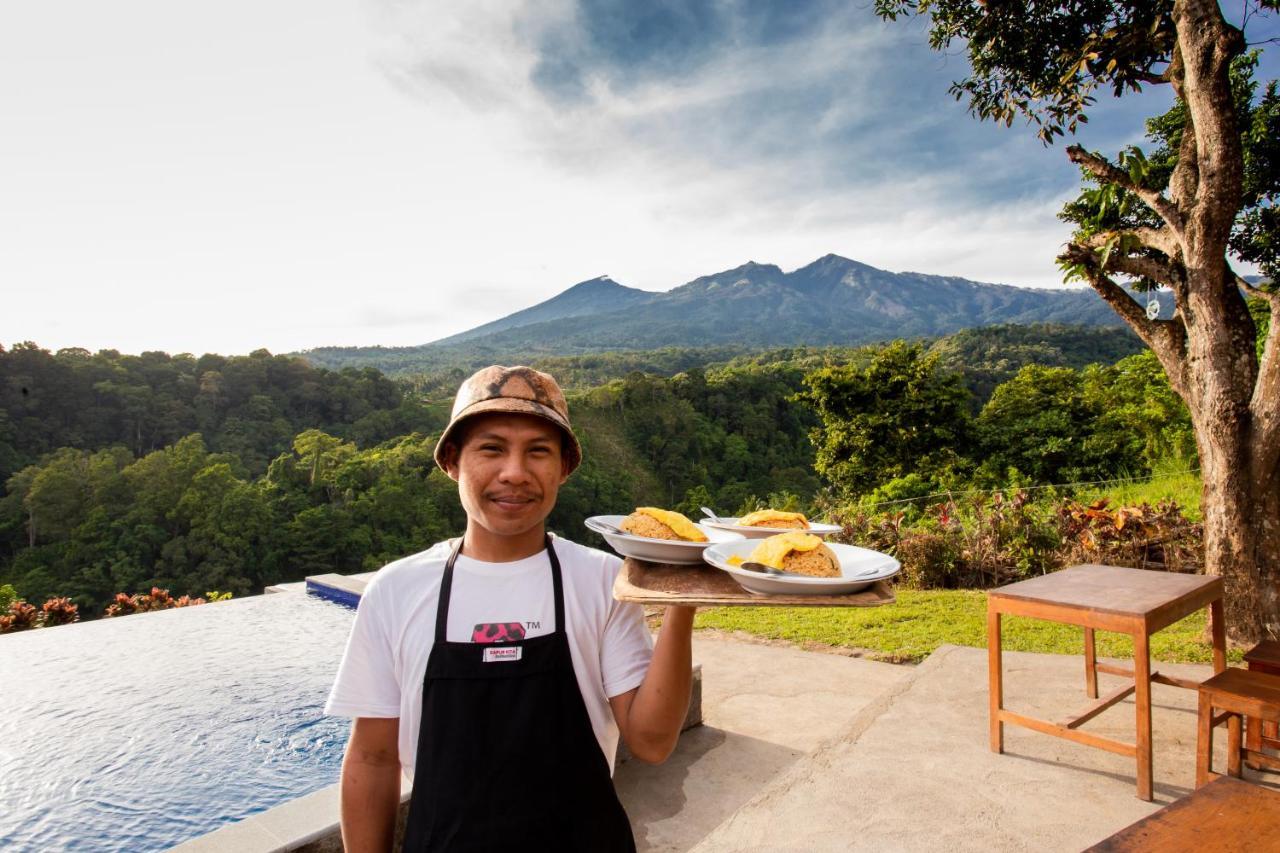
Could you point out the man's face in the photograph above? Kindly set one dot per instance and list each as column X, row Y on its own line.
column 509, row 469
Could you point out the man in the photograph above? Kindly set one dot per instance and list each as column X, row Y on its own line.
column 497, row 669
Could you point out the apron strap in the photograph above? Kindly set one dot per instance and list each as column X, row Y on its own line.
column 556, row 585
column 446, row 588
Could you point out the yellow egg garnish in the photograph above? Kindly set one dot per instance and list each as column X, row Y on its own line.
column 683, row 527
column 774, row 550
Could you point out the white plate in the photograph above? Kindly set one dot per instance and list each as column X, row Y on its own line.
column 731, row 524
column 859, row 567
column 657, row 550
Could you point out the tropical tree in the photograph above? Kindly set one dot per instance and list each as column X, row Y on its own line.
column 898, row 414
column 1046, row 62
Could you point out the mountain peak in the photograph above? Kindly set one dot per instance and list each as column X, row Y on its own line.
column 832, row 261
column 597, row 283
column 593, row 296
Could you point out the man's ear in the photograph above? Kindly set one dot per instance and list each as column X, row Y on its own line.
column 449, row 456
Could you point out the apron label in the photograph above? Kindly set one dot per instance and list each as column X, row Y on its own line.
column 502, row 653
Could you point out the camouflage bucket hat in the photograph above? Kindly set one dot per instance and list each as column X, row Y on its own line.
column 512, row 390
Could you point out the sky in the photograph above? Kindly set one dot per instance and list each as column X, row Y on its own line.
column 224, row 177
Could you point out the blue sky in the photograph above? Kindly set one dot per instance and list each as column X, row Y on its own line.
column 288, row 175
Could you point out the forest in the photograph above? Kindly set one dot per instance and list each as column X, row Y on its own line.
column 195, row 475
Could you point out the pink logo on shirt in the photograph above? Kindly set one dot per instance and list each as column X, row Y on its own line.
column 497, row 632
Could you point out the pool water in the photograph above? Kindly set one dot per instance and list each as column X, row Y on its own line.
column 141, row 732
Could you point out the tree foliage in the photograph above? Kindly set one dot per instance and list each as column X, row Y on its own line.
column 897, row 415
column 1175, row 218
column 250, row 406
column 90, row 523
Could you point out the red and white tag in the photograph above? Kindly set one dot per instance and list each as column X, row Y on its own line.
column 494, row 654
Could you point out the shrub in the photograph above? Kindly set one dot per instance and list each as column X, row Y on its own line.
column 58, row 611
column 20, row 617
column 157, row 599
column 981, row 542
column 1141, row 536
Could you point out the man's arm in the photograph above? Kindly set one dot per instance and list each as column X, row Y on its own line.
column 371, row 785
column 650, row 716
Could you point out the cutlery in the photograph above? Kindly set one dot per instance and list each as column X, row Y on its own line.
column 763, row 569
column 609, row 528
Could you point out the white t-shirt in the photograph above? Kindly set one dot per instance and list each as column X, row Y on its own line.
column 386, row 657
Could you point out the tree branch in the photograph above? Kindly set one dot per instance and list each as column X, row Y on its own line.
column 1264, row 405
column 1160, row 239
column 1143, row 267
column 1271, row 298
column 1165, row 338
column 1103, row 169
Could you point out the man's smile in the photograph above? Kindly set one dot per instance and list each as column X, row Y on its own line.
column 513, row 501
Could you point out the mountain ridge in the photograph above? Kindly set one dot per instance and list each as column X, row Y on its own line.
column 833, row 300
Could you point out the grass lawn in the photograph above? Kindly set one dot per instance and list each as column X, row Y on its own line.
column 919, row 622
column 1168, row 483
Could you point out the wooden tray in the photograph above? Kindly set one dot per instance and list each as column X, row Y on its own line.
column 703, row 586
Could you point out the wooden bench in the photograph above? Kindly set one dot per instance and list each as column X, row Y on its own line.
column 1225, row 816
column 1236, row 693
column 1264, row 657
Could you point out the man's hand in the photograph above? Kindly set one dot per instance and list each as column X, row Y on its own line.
column 649, row 717
column 371, row 785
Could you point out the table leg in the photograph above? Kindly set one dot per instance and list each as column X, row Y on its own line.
column 1233, row 745
column 1142, row 702
column 1253, row 739
column 995, row 680
column 1204, row 739
column 1218, row 623
column 1090, row 666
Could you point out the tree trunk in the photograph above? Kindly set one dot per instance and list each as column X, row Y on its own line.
column 1208, row 348
column 1241, row 538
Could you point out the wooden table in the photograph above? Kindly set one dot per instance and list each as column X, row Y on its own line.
column 1226, row 816
column 1107, row 598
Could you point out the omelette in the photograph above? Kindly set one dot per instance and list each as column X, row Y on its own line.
column 657, row 523
column 802, row 553
column 774, row 518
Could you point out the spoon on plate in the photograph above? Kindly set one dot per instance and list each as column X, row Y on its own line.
column 706, row 510
column 609, row 528
column 764, row 569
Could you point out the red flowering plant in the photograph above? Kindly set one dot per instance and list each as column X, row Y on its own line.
column 123, row 605
column 59, row 611
column 20, row 617
column 157, row 599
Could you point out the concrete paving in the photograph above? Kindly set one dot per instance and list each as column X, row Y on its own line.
column 909, row 768
column 764, row 709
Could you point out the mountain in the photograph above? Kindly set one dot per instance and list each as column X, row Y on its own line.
column 596, row 296
column 832, row 301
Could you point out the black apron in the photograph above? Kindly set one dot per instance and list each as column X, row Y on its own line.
column 507, row 758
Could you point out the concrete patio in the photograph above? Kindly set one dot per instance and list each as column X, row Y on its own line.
column 811, row 751
column 802, row 751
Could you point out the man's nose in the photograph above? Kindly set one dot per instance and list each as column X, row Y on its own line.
column 514, row 469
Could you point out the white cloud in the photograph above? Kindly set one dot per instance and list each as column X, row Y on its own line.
column 310, row 173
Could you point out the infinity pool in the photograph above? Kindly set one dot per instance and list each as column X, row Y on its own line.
column 140, row 732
